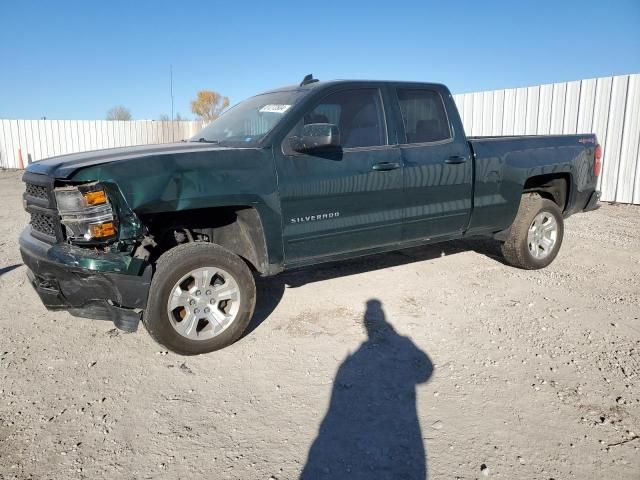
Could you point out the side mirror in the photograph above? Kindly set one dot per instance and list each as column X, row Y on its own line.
column 316, row 136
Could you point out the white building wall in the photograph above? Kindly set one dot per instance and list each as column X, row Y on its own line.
column 34, row 140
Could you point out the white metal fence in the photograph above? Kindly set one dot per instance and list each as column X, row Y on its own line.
column 607, row 106
column 24, row 141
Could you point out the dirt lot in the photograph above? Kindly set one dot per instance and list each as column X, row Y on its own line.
column 487, row 371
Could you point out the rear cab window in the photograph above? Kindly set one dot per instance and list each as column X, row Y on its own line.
column 424, row 116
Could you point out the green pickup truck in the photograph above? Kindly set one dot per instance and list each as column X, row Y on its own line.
column 321, row 171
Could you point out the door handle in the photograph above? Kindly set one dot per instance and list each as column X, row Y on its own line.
column 385, row 166
column 456, row 159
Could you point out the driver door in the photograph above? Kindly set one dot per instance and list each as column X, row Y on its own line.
column 345, row 200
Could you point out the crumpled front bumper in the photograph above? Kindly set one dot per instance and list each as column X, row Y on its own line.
column 85, row 283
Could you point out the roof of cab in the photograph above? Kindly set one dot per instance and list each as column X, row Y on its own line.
column 321, row 84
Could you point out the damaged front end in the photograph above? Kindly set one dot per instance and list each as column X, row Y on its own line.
column 85, row 250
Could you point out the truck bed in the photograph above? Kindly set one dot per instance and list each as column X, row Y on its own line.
column 503, row 164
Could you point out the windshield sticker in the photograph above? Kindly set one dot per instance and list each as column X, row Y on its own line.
column 274, row 108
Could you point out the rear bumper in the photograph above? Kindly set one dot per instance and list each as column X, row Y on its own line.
column 60, row 277
column 592, row 203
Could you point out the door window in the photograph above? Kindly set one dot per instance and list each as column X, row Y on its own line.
column 424, row 116
column 357, row 113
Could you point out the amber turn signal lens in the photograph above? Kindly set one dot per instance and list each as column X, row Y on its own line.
column 102, row 230
column 97, row 197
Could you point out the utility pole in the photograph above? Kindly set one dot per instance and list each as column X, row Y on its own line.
column 171, row 88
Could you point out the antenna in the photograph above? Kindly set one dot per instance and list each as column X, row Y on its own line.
column 308, row 79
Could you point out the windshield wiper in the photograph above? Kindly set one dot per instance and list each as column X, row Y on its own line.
column 204, row 140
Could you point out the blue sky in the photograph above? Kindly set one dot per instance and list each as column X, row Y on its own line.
column 75, row 60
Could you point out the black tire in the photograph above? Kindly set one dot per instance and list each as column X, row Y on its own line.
column 170, row 268
column 516, row 248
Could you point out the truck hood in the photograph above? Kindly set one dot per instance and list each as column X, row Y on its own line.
column 64, row 166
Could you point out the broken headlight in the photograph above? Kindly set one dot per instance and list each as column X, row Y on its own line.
column 85, row 212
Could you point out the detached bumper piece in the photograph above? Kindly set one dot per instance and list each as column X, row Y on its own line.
column 118, row 297
column 592, row 204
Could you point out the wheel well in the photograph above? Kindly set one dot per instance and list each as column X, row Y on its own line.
column 236, row 228
column 554, row 187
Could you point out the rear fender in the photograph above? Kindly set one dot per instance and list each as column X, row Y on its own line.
column 504, row 165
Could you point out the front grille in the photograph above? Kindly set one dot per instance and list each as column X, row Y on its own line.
column 36, row 191
column 43, row 223
column 40, row 202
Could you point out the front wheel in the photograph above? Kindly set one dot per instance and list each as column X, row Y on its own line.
column 536, row 234
column 201, row 299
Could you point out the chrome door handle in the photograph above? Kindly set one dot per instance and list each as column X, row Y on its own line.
column 455, row 159
column 385, row 166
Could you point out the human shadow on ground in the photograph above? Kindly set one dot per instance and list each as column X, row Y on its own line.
column 371, row 429
column 270, row 290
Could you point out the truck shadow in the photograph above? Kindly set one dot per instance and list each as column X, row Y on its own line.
column 271, row 290
column 371, row 428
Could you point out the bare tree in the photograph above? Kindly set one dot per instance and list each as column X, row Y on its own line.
column 119, row 113
column 178, row 118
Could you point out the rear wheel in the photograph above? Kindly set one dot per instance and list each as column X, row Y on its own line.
column 536, row 234
column 201, row 299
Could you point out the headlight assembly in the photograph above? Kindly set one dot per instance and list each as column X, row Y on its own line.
column 85, row 212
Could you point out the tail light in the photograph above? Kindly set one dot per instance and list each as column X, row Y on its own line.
column 597, row 161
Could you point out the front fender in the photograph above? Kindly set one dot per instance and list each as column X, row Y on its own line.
column 199, row 179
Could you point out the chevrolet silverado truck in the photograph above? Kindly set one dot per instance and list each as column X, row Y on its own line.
column 174, row 234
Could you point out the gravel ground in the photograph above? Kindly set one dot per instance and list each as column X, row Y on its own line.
column 439, row 358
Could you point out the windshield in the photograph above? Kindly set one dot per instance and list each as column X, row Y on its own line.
column 247, row 123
